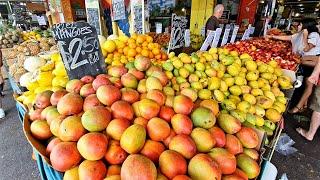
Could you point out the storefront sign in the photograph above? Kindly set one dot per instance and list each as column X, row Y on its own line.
column 137, row 7
column 178, row 28
column 225, row 36
column 80, row 49
column 119, row 10
column 216, row 37
column 187, row 40
column 208, row 40
column 234, row 33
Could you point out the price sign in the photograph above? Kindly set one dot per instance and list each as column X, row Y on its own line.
column 41, row 20
column 187, row 40
column 203, row 31
column 119, row 10
column 137, row 7
column 216, row 37
column 80, row 50
column 93, row 15
column 225, row 36
column 245, row 34
column 234, row 33
column 158, row 27
column 208, row 40
column 93, row 18
column 178, row 28
column 251, row 30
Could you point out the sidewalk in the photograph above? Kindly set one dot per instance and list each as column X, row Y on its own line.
column 15, row 152
column 305, row 164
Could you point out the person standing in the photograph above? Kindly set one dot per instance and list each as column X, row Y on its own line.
column 307, row 43
column 2, row 114
column 314, row 105
column 213, row 22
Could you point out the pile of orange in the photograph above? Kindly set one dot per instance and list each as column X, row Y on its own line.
column 125, row 49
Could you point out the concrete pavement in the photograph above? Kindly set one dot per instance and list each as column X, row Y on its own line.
column 15, row 152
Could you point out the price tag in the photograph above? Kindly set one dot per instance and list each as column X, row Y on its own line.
column 93, row 18
column 251, row 29
column 138, row 17
column 225, row 36
column 41, row 20
column 187, row 40
column 80, row 49
column 158, row 27
column 203, row 32
column 119, row 11
column 93, row 15
column 245, row 34
column 216, row 37
column 208, row 41
column 178, row 28
column 234, row 33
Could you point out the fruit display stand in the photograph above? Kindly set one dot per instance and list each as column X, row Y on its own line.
column 205, row 107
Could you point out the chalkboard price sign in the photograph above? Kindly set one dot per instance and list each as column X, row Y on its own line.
column 80, row 50
column 178, row 28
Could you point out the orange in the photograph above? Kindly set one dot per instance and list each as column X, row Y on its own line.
column 150, row 46
column 131, row 41
column 149, row 39
column 158, row 56
column 120, row 44
column 132, row 52
column 134, row 36
column 132, row 45
column 110, row 56
column 138, row 49
column 120, row 51
column 125, row 50
column 116, row 55
column 151, row 55
column 156, row 45
column 140, row 39
column 164, row 56
column 156, row 51
column 145, row 52
column 145, row 44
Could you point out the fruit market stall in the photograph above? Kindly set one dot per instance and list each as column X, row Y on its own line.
column 203, row 109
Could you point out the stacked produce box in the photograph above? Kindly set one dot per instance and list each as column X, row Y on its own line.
column 154, row 116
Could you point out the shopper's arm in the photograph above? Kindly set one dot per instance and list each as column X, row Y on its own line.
column 283, row 38
column 307, row 45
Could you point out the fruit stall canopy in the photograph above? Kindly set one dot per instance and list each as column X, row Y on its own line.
column 37, row 7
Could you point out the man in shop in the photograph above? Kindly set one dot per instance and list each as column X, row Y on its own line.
column 213, row 22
